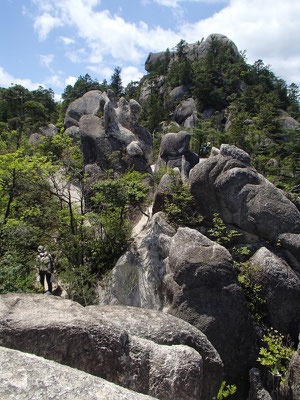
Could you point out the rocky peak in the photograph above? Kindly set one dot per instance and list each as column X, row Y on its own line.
column 193, row 51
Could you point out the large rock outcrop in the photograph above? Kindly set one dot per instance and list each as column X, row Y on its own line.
column 88, row 104
column 226, row 183
column 26, row 377
column 189, row 276
column 174, row 152
column 281, row 291
column 194, row 51
column 138, row 280
column 101, row 342
column 201, row 287
column 110, row 135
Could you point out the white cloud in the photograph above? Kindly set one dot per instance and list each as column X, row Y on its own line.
column 70, row 80
column 54, row 80
column 103, row 33
column 45, row 23
column 46, row 60
column 67, row 41
column 57, row 97
column 168, row 3
column 7, row 80
column 101, row 70
column 129, row 74
column 268, row 30
column 76, row 56
column 176, row 3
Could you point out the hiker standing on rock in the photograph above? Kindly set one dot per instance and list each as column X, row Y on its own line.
column 45, row 267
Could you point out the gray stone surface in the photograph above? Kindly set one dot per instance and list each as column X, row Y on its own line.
column 286, row 121
column 138, row 280
column 168, row 330
column 164, row 190
column 291, row 388
column 137, row 277
column 25, row 376
column 109, row 132
column 89, row 103
column 191, row 121
column 66, row 332
column 148, row 84
column 257, row 390
column 201, row 287
column 226, row 183
column 177, row 94
column 113, row 139
column 281, row 290
column 47, row 131
column 184, row 110
column 174, row 145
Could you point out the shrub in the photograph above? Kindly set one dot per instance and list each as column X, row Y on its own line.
column 249, row 276
column 276, row 352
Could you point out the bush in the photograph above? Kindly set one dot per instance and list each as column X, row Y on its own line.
column 276, row 352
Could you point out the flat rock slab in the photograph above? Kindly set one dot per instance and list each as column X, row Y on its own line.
column 65, row 332
column 28, row 377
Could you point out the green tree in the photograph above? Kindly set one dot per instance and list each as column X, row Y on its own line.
column 116, row 82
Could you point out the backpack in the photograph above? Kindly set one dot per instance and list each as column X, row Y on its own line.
column 46, row 262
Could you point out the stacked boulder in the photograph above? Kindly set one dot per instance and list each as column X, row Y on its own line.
column 109, row 132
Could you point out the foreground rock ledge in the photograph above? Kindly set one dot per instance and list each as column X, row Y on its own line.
column 26, row 377
column 83, row 338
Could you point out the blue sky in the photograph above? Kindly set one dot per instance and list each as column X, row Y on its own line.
column 52, row 42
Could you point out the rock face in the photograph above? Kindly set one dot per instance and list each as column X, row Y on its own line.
column 191, row 277
column 45, row 131
column 146, row 87
column 85, row 105
column 174, row 152
column 286, row 121
column 226, row 183
column 291, row 388
column 193, row 51
column 25, row 377
column 257, row 390
column 94, row 341
column 184, row 110
column 138, row 280
column 164, row 330
column 177, row 94
column 281, row 290
column 201, row 287
column 137, row 277
column 109, row 132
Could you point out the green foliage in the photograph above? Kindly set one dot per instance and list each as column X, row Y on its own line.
column 180, row 205
column 220, row 233
column 80, row 284
column 17, row 239
column 25, row 111
column 226, row 390
column 153, row 112
column 116, row 82
column 276, row 352
column 131, row 90
column 15, row 274
column 203, row 134
column 251, row 278
column 180, row 71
